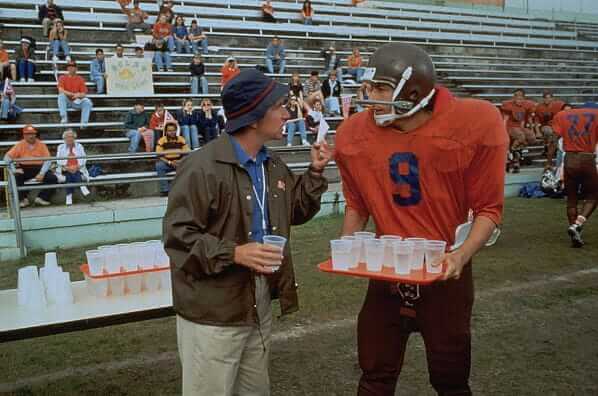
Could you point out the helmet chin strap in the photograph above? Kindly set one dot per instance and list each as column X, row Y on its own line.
column 386, row 119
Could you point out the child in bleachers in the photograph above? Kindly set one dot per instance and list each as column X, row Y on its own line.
column 268, row 11
column 181, row 36
column 228, row 71
column 208, row 121
column 58, row 41
column 296, row 87
column 198, row 78
column 136, row 20
column 307, row 12
column 197, row 37
column 156, row 125
column 7, row 70
column 26, row 60
column 188, row 118
column 98, row 71
column 162, row 31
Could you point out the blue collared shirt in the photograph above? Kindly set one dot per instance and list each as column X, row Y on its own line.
column 254, row 168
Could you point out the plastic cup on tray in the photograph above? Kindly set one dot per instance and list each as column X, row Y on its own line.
column 434, row 250
column 342, row 256
column 419, row 247
column 374, row 254
column 388, row 240
column 403, row 250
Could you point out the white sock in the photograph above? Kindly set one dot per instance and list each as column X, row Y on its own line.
column 580, row 220
column 84, row 190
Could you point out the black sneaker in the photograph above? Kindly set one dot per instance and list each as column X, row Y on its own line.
column 574, row 232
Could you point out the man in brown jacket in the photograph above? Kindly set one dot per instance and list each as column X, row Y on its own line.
column 224, row 200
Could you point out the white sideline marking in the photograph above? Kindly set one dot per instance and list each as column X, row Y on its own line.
column 280, row 336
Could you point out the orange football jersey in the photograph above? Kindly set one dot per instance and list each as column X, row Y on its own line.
column 578, row 128
column 423, row 182
column 545, row 113
column 517, row 113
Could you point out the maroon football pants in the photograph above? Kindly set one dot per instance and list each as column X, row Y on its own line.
column 442, row 316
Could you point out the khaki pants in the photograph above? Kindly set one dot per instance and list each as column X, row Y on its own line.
column 227, row 361
column 46, row 26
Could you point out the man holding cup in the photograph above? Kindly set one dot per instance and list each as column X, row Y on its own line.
column 415, row 162
column 225, row 200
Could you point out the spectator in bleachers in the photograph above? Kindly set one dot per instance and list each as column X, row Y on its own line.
column 228, row 71
column 268, row 11
column 198, row 38
column 198, row 78
column 313, row 88
column 167, row 9
column 518, row 113
column 58, row 39
column 295, row 87
column 354, row 63
column 72, row 92
column 296, row 122
column 544, row 112
column 71, row 170
column 136, row 20
column 139, row 53
column 32, row 147
column 331, row 89
column 97, row 71
column 314, row 116
column 9, row 111
column 172, row 145
column 162, row 31
column 46, row 15
column 136, row 127
column 26, row 60
column 181, row 36
column 162, row 58
column 307, row 12
column 208, row 121
column 7, row 69
column 124, row 4
column 188, row 119
column 119, row 51
column 157, row 122
column 275, row 56
column 332, row 61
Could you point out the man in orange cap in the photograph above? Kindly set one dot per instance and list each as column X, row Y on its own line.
column 72, row 93
column 32, row 147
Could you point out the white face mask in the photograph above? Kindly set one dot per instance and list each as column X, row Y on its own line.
column 389, row 118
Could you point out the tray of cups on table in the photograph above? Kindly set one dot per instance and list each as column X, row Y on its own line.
column 128, row 268
column 389, row 258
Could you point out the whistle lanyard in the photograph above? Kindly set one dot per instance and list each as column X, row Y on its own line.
column 262, row 203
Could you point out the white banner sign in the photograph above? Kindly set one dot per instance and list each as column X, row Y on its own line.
column 129, row 77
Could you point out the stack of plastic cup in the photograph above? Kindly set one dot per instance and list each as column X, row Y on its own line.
column 434, row 251
column 388, row 240
column 149, row 261
column 403, row 252
column 278, row 241
column 112, row 259
column 162, row 259
column 30, row 293
column 342, row 258
column 363, row 236
column 64, row 291
column 374, row 254
column 417, row 259
column 355, row 249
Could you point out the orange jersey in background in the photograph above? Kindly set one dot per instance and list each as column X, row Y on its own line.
column 423, row 182
column 578, row 128
column 544, row 113
column 517, row 112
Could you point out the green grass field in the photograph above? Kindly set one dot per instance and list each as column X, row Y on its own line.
column 535, row 325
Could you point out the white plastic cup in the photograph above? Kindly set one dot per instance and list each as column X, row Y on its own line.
column 342, row 256
column 53, row 280
column 355, row 249
column 388, row 240
column 27, row 276
column 64, row 291
column 50, row 260
column 36, row 298
column 403, row 251
column 363, row 236
column 111, row 258
column 278, row 241
column 124, row 255
column 374, row 254
column 434, row 251
column 419, row 248
column 95, row 261
column 149, row 253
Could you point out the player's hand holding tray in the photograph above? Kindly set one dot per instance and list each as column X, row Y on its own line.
column 413, row 260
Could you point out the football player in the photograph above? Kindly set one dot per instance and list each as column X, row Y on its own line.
column 579, row 130
column 543, row 115
column 518, row 114
column 415, row 162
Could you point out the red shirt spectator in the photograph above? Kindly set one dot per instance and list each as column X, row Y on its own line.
column 72, row 83
column 229, row 70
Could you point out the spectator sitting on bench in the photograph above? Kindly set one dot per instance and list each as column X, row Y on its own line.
column 198, row 78
column 198, row 38
column 157, row 122
column 97, row 71
column 162, row 30
column 7, row 69
column 26, row 60
column 331, row 89
column 136, row 20
column 72, row 92
column 71, row 170
column 228, row 71
column 275, row 56
column 58, row 41
column 9, row 111
column 187, row 119
column 208, row 123
column 136, row 127
column 354, row 63
column 32, row 147
column 313, row 88
column 181, row 36
column 307, row 12
column 46, row 15
column 268, row 12
column 162, row 58
column 296, row 88
column 332, row 61
column 167, row 9
column 314, row 116
column 296, row 122
column 171, row 145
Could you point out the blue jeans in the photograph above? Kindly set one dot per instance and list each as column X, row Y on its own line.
column 162, row 60
column 271, row 62
column 72, row 178
column 100, row 84
column 85, row 105
column 191, row 135
column 332, row 104
column 4, row 108
column 196, row 81
column 26, row 68
column 204, row 46
column 163, row 168
column 308, row 21
column 60, row 44
column 292, row 127
column 182, row 45
column 210, row 133
column 170, row 43
column 357, row 73
column 134, row 137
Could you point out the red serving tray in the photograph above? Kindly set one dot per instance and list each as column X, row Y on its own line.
column 85, row 269
column 419, row 277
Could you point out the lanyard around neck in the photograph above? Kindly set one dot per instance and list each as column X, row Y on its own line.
column 261, row 203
